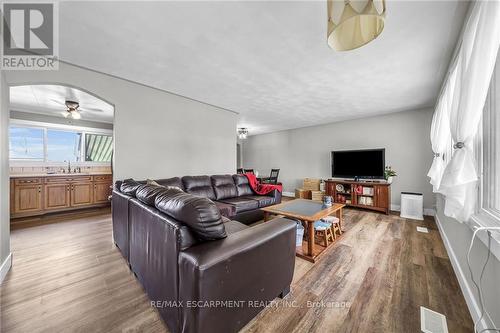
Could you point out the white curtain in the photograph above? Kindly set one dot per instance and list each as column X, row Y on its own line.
column 475, row 63
column 440, row 131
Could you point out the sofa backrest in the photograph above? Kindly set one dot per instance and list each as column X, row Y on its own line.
column 224, row 187
column 174, row 181
column 199, row 185
column 242, row 185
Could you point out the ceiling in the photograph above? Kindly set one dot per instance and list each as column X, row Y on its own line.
column 49, row 100
column 267, row 60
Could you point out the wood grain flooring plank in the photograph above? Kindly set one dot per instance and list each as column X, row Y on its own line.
column 69, row 277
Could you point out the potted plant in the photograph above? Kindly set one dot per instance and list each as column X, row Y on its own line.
column 389, row 174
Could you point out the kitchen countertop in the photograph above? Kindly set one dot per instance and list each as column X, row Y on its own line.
column 36, row 175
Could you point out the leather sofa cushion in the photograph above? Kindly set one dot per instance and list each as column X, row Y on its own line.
column 224, row 186
column 147, row 193
column 199, row 185
column 263, row 200
column 118, row 185
column 242, row 204
column 233, row 227
column 186, row 237
column 172, row 182
column 242, row 186
column 226, row 210
column 129, row 186
column 200, row 214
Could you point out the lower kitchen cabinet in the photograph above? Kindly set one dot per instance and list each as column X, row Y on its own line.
column 102, row 191
column 50, row 194
column 57, row 196
column 28, row 199
column 82, row 194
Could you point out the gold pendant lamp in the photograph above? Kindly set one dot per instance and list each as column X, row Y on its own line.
column 354, row 23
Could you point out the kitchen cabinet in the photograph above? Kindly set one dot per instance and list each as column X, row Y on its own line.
column 102, row 191
column 51, row 194
column 81, row 194
column 57, row 196
column 28, row 199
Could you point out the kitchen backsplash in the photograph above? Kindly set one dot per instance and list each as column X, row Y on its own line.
column 18, row 170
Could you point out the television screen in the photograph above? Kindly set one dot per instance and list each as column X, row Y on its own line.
column 369, row 163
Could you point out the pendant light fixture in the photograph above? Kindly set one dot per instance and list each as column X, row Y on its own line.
column 354, row 23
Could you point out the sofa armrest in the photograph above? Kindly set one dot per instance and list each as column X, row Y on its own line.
column 119, row 213
column 275, row 194
column 249, row 268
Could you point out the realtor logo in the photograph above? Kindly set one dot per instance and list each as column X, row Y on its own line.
column 29, row 36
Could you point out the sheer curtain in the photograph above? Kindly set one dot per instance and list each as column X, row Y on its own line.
column 475, row 63
column 440, row 131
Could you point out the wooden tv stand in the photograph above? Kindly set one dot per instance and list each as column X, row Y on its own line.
column 375, row 195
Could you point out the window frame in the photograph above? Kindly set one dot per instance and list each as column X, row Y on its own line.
column 485, row 215
column 58, row 127
column 486, row 160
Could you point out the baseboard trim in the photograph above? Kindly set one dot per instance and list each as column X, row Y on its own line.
column 470, row 299
column 4, row 269
column 288, row 194
column 427, row 211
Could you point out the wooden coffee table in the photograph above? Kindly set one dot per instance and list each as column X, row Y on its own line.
column 307, row 211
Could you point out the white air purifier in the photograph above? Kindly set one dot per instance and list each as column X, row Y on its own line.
column 412, row 205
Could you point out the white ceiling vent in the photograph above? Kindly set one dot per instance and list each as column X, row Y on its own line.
column 432, row 321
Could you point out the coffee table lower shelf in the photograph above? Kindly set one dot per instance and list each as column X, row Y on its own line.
column 306, row 211
column 318, row 250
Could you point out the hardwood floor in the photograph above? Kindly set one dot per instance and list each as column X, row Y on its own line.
column 69, row 277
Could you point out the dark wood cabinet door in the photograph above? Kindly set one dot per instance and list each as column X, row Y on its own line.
column 382, row 194
column 57, row 196
column 28, row 199
column 82, row 194
column 102, row 191
column 330, row 188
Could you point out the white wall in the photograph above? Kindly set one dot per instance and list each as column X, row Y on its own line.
column 157, row 134
column 4, row 178
column 457, row 237
column 305, row 152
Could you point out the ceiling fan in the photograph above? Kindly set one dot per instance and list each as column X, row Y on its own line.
column 73, row 109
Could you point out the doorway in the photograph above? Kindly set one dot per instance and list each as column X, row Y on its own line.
column 60, row 152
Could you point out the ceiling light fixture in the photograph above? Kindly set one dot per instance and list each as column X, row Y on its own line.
column 72, row 111
column 354, row 23
column 242, row 133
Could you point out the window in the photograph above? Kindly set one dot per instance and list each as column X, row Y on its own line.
column 63, row 146
column 53, row 144
column 489, row 159
column 98, row 148
column 26, row 143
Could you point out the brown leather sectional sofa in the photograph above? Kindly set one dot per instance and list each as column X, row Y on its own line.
column 205, row 272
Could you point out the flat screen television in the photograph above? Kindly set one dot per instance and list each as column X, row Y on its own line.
column 367, row 163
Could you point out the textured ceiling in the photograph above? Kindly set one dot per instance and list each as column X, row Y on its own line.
column 268, row 61
column 49, row 100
